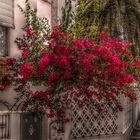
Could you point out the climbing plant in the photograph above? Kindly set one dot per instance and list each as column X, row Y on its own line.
column 67, row 16
column 71, row 66
column 78, row 23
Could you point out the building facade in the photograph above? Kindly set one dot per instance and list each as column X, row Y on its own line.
column 85, row 124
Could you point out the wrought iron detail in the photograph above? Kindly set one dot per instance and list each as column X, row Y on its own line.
column 5, row 104
column 31, row 130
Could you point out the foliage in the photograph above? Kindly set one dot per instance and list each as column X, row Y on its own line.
column 72, row 70
column 77, row 71
column 32, row 43
column 79, row 20
column 79, row 23
column 35, row 35
column 123, row 19
column 92, row 16
column 67, row 16
column 92, row 13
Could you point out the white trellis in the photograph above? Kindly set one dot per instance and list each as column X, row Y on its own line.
column 87, row 122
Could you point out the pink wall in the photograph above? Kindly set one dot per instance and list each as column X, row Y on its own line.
column 43, row 9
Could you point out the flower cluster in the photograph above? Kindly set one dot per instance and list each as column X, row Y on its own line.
column 26, row 70
column 79, row 71
column 136, row 68
column 4, row 85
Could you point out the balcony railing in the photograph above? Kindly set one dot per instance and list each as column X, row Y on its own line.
column 4, row 125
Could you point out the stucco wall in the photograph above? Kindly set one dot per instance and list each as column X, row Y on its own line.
column 44, row 10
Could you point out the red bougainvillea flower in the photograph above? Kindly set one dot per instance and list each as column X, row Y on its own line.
column 26, row 70
column 79, row 71
column 136, row 64
column 40, row 94
column 103, row 36
column 22, row 46
column 10, row 61
column 28, row 31
column 43, row 62
column 128, row 79
column 67, row 75
column 4, row 85
column 25, row 53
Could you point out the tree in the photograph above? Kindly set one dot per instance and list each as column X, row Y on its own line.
column 122, row 17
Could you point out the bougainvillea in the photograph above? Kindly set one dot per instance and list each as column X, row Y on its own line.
column 79, row 71
column 72, row 70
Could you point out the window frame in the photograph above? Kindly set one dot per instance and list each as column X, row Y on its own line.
column 6, row 41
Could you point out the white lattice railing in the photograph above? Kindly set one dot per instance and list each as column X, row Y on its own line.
column 89, row 123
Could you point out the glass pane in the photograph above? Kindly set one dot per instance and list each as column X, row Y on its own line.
column 2, row 41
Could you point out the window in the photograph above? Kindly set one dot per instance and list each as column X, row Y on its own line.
column 6, row 21
column 3, row 44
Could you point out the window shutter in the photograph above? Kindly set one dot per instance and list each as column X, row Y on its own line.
column 7, row 13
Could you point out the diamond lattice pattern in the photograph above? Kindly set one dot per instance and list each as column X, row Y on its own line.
column 88, row 123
